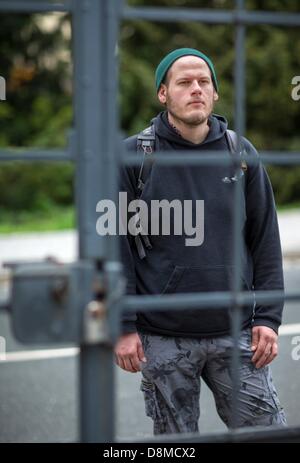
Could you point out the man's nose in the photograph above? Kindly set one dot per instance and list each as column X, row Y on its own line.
column 196, row 88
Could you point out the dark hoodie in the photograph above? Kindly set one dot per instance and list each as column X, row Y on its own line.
column 173, row 267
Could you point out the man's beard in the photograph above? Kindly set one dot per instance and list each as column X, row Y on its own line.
column 192, row 120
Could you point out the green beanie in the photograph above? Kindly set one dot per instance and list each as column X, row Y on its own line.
column 169, row 59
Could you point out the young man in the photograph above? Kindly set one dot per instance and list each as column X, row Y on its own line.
column 174, row 349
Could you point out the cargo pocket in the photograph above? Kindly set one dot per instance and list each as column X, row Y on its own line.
column 259, row 401
column 279, row 414
column 153, row 408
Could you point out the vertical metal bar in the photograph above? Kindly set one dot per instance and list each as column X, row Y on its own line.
column 96, row 394
column 239, row 74
column 90, row 116
column 239, row 78
column 112, row 157
column 94, row 28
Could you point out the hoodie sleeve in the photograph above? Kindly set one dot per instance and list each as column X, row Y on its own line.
column 127, row 181
column 262, row 236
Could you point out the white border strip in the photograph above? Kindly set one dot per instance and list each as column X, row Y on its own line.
column 42, row 354
column 289, row 329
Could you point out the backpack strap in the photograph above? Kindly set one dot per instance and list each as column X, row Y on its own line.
column 232, row 141
column 145, row 144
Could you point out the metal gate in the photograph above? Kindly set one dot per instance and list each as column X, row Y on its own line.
column 82, row 302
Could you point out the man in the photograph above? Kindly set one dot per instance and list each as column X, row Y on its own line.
column 174, row 349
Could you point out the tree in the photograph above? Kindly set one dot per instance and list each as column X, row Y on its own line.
column 35, row 61
column 272, row 59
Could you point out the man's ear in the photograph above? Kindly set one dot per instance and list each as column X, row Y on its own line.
column 216, row 96
column 162, row 94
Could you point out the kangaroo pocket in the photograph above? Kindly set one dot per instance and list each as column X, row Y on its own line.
column 204, row 321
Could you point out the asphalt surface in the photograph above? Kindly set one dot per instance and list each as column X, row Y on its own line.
column 38, row 398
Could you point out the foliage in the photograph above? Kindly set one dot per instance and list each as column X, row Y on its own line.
column 272, row 59
column 35, row 61
column 37, row 112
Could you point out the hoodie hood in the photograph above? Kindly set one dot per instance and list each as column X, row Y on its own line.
column 218, row 125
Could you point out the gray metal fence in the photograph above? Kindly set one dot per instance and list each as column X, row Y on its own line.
column 82, row 302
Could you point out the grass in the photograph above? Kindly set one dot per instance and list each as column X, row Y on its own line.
column 288, row 207
column 56, row 218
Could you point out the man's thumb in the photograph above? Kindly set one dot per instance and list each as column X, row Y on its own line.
column 141, row 354
column 254, row 342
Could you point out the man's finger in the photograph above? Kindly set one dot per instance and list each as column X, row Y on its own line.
column 135, row 362
column 128, row 365
column 255, row 340
column 140, row 353
column 273, row 354
column 259, row 351
column 120, row 362
column 264, row 356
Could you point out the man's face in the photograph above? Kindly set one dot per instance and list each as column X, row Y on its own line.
column 189, row 94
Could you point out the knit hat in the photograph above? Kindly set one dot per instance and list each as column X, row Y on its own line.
column 169, row 59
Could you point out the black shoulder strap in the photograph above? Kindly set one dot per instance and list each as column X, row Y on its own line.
column 232, row 141
column 146, row 144
column 231, row 138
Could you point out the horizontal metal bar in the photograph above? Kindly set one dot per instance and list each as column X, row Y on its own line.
column 11, row 6
column 35, row 155
column 177, row 301
column 201, row 300
column 180, row 158
column 279, row 157
column 258, row 434
column 4, row 304
column 266, row 297
column 178, row 14
column 212, row 16
column 269, row 17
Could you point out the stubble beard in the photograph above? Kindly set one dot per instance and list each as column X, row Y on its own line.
column 193, row 120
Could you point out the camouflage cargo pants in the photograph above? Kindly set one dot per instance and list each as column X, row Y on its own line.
column 171, row 382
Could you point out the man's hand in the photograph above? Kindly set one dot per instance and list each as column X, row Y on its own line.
column 129, row 352
column 264, row 345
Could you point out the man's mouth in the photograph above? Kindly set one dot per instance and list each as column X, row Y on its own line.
column 196, row 102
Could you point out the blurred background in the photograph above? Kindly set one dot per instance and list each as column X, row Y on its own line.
column 38, row 395
column 36, row 61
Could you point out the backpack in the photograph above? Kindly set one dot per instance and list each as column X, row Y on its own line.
column 146, row 144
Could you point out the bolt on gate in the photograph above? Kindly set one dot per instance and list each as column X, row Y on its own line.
column 82, row 302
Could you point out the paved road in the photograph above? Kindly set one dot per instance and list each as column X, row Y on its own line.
column 38, row 397
column 63, row 245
